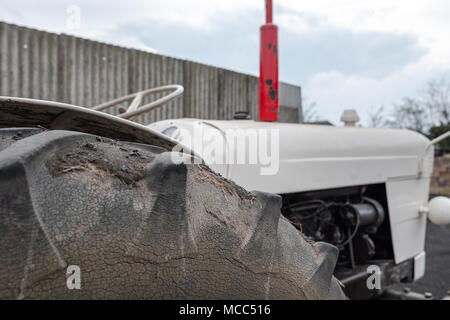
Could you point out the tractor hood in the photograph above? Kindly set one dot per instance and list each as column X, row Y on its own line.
column 303, row 157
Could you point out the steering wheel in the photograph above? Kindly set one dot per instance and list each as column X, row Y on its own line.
column 134, row 109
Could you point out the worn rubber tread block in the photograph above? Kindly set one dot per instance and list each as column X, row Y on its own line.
column 19, row 112
column 140, row 226
column 10, row 135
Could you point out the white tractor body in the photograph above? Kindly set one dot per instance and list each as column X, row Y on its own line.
column 317, row 157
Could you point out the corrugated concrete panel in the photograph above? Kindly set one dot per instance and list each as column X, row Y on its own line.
column 60, row 67
column 4, row 48
column 290, row 98
column 288, row 114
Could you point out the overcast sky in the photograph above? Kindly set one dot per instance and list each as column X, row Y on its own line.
column 344, row 53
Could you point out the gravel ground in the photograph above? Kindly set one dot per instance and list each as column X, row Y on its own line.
column 437, row 273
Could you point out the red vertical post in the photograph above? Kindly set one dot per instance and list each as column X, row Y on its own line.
column 268, row 76
column 269, row 11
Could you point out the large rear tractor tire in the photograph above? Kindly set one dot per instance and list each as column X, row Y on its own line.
column 129, row 223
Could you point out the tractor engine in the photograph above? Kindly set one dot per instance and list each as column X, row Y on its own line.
column 346, row 218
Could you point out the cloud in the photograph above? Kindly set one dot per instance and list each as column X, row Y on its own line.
column 335, row 92
column 233, row 42
column 371, row 54
column 345, row 54
column 338, row 68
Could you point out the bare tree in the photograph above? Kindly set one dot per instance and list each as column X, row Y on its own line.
column 431, row 109
column 437, row 100
column 309, row 111
column 411, row 114
column 377, row 118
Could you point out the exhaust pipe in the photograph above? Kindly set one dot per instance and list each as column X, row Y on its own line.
column 268, row 76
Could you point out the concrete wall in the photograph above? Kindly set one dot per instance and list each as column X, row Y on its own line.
column 59, row 67
column 290, row 103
